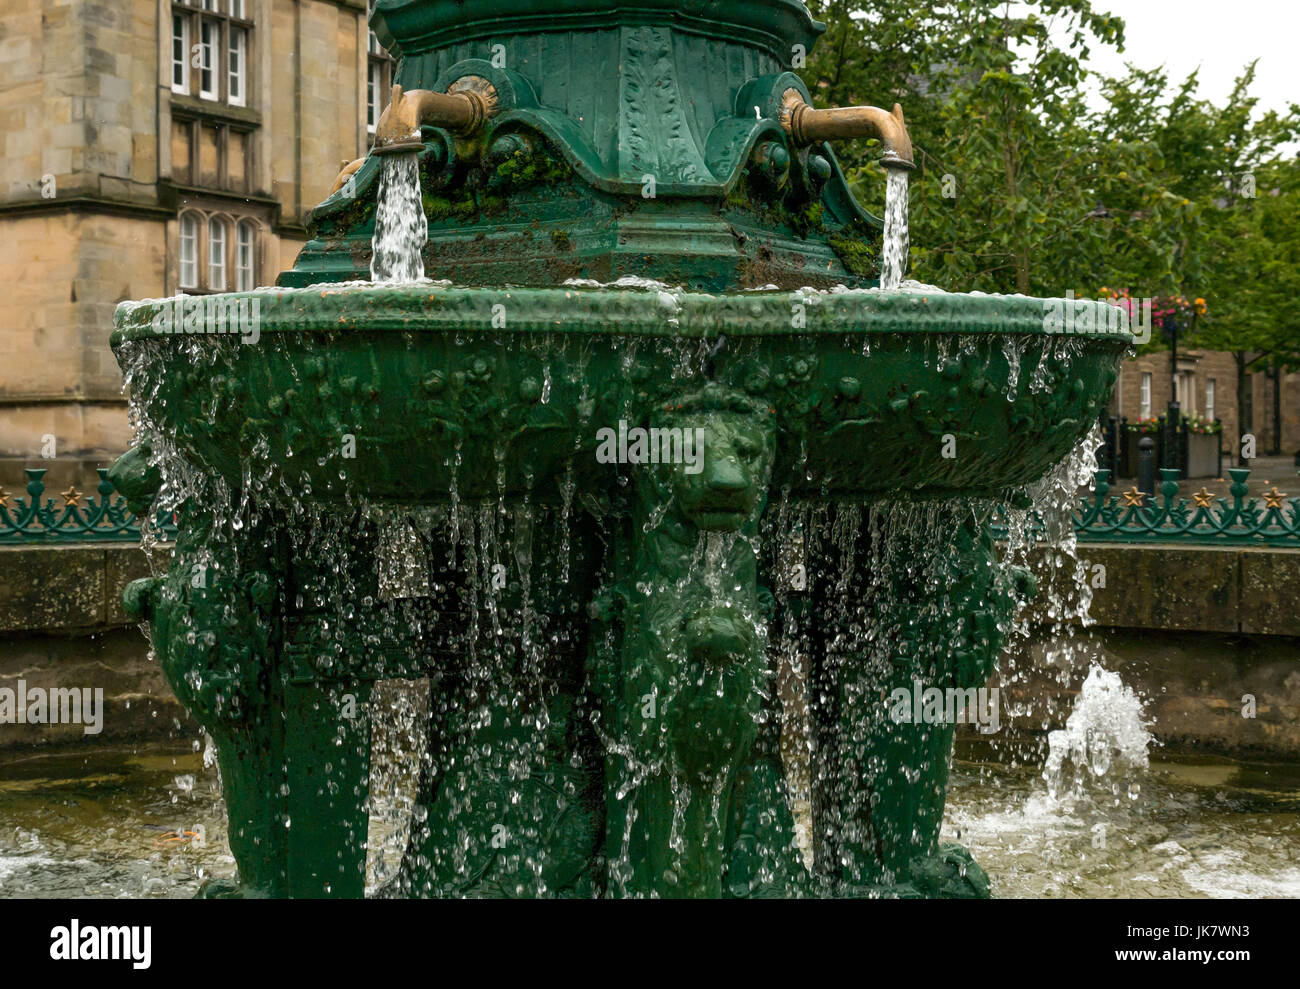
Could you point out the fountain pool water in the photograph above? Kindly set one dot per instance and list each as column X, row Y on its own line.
column 93, row 824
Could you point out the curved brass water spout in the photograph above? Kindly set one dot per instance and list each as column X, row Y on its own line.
column 468, row 102
column 807, row 124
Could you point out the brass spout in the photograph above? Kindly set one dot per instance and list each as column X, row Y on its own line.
column 806, row 125
column 463, row 109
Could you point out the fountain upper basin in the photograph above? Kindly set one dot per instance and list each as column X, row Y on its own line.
column 424, row 392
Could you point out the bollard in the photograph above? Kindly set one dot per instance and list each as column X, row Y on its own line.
column 1147, row 466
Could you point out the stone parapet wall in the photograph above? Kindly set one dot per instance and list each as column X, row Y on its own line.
column 62, row 625
column 1228, row 589
column 1227, row 694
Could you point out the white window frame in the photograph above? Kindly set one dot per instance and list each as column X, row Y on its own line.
column 245, row 256
column 183, row 64
column 1211, row 387
column 375, row 47
column 1146, row 395
column 1186, row 392
column 216, row 255
column 237, row 66
column 220, row 33
column 209, row 48
column 374, row 84
column 188, row 252
column 379, row 76
column 227, row 246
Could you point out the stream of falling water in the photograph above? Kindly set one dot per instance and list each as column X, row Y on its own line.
column 401, row 228
column 893, row 254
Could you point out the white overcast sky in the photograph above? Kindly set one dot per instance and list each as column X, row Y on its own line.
column 1215, row 36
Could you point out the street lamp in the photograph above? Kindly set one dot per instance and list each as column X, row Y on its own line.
column 1173, row 451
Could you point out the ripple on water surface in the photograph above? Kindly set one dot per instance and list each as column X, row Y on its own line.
column 1203, row 828
column 97, row 824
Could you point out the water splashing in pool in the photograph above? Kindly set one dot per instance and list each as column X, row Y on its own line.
column 1106, row 733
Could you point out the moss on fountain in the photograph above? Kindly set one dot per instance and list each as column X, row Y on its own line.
column 491, row 189
column 860, row 254
column 671, row 176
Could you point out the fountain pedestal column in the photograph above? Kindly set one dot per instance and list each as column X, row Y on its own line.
column 690, row 687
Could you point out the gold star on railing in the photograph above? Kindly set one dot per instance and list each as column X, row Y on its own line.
column 1273, row 498
column 1204, row 498
column 72, row 496
column 1133, row 498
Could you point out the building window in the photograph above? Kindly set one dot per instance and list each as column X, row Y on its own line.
column 379, row 82
column 244, row 280
column 236, row 61
column 209, row 34
column 1186, row 397
column 1209, row 398
column 220, row 58
column 216, row 255
column 180, row 53
column 225, row 244
column 1146, row 394
column 189, row 251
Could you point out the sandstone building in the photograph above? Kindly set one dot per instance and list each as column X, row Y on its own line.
column 151, row 147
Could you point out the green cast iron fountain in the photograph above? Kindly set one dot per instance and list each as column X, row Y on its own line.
column 656, row 485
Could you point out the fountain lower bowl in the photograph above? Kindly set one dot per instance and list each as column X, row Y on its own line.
column 425, row 392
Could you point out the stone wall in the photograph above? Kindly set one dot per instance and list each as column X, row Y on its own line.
column 1221, row 367
column 1229, row 694
column 62, row 626
column 1235, row 590
column 1194, row 629
column 1206, row 365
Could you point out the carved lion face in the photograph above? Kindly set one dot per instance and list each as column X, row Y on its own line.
column 724, row 489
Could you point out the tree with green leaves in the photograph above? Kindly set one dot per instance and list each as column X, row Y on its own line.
column 1024, row 185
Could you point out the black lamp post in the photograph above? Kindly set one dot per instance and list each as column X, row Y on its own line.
column 1172, row 445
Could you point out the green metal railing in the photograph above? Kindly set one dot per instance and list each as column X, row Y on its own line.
column 1130, row 517
column 69, row 519
column 1135, row 517
column 1273, row 520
